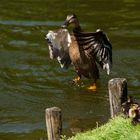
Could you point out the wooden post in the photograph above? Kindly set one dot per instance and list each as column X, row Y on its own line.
column 117, row 94
column 53, row 123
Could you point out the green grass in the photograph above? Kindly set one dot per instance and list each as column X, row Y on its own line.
column 118, row 128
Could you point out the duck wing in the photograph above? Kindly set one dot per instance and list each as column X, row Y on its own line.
column 59, row 43
column 98, row 46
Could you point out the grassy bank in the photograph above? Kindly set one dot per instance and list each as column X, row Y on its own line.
column 116, row 129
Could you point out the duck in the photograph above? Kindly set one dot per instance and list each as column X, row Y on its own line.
column 84, row 50
column 87, row 49
column 134, row 113
column 125, row 106
column 131, row 109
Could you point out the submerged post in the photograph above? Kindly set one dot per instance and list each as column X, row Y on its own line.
column 53, row 123
column 117, row 94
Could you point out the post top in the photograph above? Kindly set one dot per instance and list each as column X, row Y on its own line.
column 117, row 79
column 53, row 109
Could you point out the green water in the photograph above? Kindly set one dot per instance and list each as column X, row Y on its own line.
column 30, row 82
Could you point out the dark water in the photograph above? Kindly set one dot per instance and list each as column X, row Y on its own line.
column 30, row 82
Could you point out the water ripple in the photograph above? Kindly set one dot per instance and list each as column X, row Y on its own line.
column 30, row 23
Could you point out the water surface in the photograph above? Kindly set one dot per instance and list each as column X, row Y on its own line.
column 30, row 82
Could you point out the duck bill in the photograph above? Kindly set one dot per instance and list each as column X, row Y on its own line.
column 65, row 25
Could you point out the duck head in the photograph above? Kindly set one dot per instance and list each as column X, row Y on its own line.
column 71, row 20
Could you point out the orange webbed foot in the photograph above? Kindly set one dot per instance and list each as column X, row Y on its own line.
column 93, row 87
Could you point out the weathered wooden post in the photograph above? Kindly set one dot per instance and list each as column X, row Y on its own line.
column 117, row 94
column 53, row 123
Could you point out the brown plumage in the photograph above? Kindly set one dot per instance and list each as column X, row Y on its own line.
column 134, row 113
column 84, row 50
column 83, row 63
column 132, row 110
column 88, row 49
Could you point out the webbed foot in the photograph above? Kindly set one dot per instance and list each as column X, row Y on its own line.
column 93, row 87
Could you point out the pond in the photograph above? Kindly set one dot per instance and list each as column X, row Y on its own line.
column 30, row 82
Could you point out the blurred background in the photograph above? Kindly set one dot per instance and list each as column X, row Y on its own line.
column 30, row 82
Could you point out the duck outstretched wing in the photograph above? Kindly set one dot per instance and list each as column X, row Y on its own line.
column 59, row 43
column 98, row 46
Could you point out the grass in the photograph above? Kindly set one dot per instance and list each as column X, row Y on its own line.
column 118, row 128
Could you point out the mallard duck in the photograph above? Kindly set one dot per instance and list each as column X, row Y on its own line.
column 87, row 49
column 84, row 50
column 131, row 110
column 134, row 113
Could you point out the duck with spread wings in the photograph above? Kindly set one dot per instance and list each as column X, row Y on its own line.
column 83, row 49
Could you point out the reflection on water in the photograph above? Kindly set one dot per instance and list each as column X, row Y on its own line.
column 30, row 82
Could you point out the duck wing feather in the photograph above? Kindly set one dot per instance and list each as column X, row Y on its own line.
column 59, row 43
column 98, row 46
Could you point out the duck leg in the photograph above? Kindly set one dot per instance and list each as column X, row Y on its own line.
column 93, row 87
